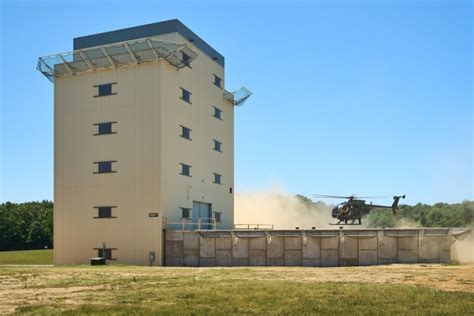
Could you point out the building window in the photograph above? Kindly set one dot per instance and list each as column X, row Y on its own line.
column 217, row 81
column 105, row 253
column 185, row 132
column 217, row 146
column 217, row 113
column 185, row 170
column 104, row 89
column 217, row 178
column 104, row 128
column 185, row 95
column 185, row 212
column 218, row 217
column 105, row 166
column 186, row 59
column 104, row 212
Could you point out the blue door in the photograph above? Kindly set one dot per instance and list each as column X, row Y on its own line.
column 202, row 211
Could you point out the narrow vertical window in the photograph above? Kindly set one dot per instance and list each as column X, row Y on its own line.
column 104, row 128
column 185, row 95
column 104, row 166
column 185, row 132
column 217, row 81
column 104, row 89
column 217, row 178
column 185, row 170
column 218, row 217
column 217, row 146
column 185, row 212
column 217, row 113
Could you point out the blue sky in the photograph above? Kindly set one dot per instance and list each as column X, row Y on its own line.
column 349, row 97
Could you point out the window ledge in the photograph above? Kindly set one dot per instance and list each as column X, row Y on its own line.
column 105, row 95
column 185, row 100
column 97, row 134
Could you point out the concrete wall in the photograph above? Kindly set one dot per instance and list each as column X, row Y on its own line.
column 325, row 248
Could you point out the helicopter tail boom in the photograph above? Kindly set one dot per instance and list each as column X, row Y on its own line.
column 396, row 199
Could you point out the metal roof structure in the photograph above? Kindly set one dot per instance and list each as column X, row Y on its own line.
column 115, row 55
column 238, row 97
column 132, row 50
column 149, row 30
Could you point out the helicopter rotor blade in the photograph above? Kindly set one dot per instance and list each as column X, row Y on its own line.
column 324, row 196
column 375, row 197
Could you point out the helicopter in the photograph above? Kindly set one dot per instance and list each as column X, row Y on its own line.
column 355, row 208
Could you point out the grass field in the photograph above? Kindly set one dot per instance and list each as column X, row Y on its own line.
column 27, row 257
column 400, row 289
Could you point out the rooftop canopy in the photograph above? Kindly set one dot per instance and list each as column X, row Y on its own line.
column 115, row 55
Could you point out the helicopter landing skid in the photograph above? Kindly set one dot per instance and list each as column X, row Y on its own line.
column 334, row 224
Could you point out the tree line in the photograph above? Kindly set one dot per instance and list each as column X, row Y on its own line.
column 30, row 225
column 424, row 215
column 26, row 225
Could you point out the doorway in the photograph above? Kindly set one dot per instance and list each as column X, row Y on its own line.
column 202, row 211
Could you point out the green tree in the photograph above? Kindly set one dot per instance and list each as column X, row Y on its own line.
column 26, row 225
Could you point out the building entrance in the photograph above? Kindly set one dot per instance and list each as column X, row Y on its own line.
column 202, row 216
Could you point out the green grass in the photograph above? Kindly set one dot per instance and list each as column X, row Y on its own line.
column 247, row 297
column 126, row 290
column 27, row 257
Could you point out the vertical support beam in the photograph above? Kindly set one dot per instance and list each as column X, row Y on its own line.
column 130, row 52
column 109, row 58
column 86, row 60
column 66, row 65
column 152, row 48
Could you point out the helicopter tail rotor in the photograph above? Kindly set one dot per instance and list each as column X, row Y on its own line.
column 396, row 199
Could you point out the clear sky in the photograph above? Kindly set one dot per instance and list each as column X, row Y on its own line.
column 370, row 97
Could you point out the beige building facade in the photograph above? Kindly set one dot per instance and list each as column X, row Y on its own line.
column 143, row 141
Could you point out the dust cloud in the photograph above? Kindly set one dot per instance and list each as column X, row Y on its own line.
column 283, row 210
column 463, row 250
column 407, row 223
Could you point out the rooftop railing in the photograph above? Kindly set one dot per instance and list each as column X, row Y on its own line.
column 115, row 55
column 190, row 223
column 253, row 226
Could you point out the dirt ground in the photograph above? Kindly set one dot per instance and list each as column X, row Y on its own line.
column 30, row 286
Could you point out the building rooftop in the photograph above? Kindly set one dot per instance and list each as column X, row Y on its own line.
column 148, row 30
column 133, row 46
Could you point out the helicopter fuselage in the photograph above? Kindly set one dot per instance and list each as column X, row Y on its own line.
column 350, row 211
column 354, row 209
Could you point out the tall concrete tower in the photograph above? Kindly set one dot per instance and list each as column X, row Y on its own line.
column 143, row 141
